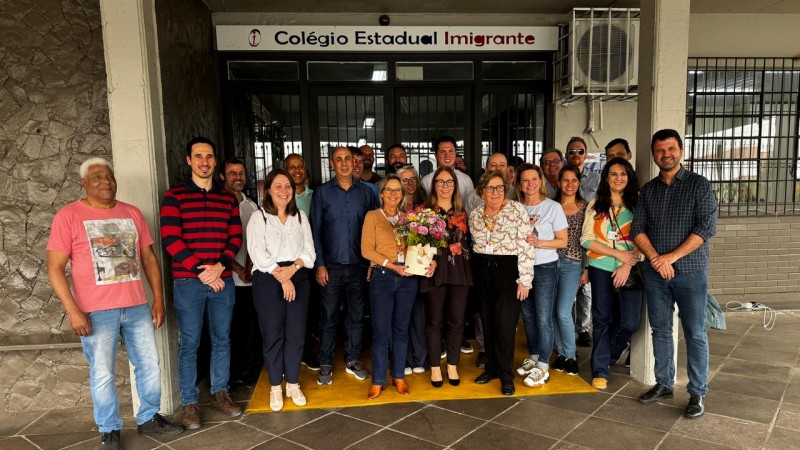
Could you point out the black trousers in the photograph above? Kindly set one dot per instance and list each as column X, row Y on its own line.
column 445, row 303
column 283, row 324
column 246, row 353
column 495, row 278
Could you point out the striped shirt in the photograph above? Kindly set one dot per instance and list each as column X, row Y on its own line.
column 668, row 214
column 200, row 227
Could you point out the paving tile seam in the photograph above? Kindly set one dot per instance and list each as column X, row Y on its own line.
column 271, row 435
column 387, row 427
column 286, row 440
column 470, row 416
column 774, row 421
column 20, row 432
column 329, row 412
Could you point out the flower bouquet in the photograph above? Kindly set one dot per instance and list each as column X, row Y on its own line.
column 424, row 232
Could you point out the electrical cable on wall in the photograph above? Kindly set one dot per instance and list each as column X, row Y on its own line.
column 769, row 314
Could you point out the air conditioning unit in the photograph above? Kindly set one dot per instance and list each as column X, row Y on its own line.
column 599, row 53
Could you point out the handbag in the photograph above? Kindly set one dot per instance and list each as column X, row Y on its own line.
column 635, row 280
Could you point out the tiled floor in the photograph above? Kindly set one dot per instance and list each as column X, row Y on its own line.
column 754, row 403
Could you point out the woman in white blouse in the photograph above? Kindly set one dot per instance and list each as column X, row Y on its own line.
column 280, row 245
column 502, row 271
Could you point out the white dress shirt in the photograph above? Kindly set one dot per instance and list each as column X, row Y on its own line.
column 269, row 241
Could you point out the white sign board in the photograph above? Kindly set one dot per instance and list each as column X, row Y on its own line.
column 385, row 39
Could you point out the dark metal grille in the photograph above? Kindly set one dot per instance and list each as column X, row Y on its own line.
column 422, row 119
column 512, row 124
column 742, row 132
column 277, row 133
column 349, row 121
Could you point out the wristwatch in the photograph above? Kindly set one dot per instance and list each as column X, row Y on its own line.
column 297, row 267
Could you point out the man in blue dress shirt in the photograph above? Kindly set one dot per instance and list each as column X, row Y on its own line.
column 674, row 219
column 338, row 208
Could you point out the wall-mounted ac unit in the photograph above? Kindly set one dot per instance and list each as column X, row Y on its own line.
column 599, row 54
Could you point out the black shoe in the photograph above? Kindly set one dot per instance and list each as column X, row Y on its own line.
column 695, row 408
column 160, row 426
column 110, row 440
column 571, row 367
column 507, row 388
column 558, row 364
column 311, row 361
column 437, row 384
column 584, row 339
column 484, row 378
column 655, row 394
column 481, row 362
column 454, row 382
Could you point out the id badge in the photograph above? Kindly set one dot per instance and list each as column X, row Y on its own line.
column 401, row 258
column 612, row 235
column 489, row 249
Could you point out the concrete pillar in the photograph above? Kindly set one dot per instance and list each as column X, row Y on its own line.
column 663, row 55
column 137, row 141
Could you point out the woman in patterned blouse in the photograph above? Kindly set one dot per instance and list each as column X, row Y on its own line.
column 612, row 254
column 502, row 269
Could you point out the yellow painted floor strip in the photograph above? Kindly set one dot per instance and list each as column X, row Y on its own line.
column 346, row 391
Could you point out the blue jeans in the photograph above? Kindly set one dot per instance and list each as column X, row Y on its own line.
column 135, row 324
column 193, row 301
column 344, row 283
column 615, row 317
column 569, row 279
column 392, row 299
column 537, row 312
column 689, row 292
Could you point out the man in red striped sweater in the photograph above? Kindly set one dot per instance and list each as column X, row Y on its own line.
column 201, row 229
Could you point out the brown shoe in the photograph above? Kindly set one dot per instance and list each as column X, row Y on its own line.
column 402, row 387
column 375, row 391
column 191, row 417
column 222, row 402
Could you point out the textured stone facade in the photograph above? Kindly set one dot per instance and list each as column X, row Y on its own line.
column 53, row 116
column 189, row 79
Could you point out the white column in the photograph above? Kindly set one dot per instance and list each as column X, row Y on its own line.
column 663, row 55
column 137, row 142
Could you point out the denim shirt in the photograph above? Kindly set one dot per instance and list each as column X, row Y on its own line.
column 337, row 217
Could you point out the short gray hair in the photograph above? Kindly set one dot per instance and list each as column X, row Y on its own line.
column 96, row 161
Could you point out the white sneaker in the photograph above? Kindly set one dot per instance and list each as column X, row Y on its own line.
column 293, row 391
column 418, row 370
column 407, row 371
column 276, row 398
column 537, row 377
column 526, row 367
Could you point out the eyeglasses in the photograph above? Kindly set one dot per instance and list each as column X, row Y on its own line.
column 448, row 183
column 408, row 180
column 495, row 189
column 555, row 162
column 573, row 151
column 393, row 191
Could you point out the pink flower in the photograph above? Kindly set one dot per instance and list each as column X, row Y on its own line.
column 423, row 230
column 437, row 234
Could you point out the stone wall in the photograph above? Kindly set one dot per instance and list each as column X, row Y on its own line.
column 189, row 78
column 755, row 258
column 53, row 116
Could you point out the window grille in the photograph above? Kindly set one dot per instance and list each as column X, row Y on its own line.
column 742, row 132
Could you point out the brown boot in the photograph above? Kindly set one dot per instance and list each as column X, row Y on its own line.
column 191, row 417
column 222, row 402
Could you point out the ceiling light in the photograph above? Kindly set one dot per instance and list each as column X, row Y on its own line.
column 379, row 75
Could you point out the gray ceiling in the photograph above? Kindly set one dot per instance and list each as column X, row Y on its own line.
column 486, row 7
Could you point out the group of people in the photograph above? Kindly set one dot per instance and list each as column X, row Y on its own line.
column 524, row 240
